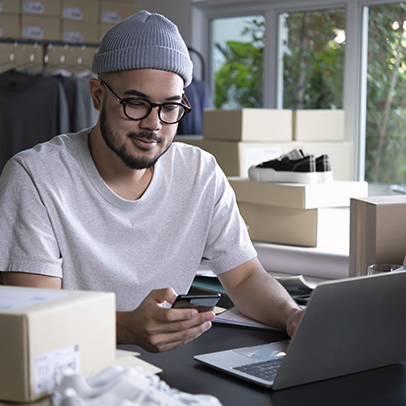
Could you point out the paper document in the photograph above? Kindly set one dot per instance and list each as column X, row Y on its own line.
column 235, row 318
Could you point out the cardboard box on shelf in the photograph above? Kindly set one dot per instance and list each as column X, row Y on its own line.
column 80, row 31
column 306, row 228
column 235, row 157
column 377, row 232
column 112, row 12
column 42, row 7
column 40, row 27
column 248, row 125
column 298, row 196
column 80, row 10
column 10, row 7
column 318, row 125
column 9, row 26
column 45, row 329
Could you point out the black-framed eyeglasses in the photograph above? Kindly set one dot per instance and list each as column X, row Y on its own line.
column 136, row 108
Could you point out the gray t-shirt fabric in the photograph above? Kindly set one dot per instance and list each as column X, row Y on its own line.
column 60, row 218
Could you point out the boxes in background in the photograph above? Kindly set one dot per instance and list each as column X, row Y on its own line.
column 248, row 125
column 318, row 125
column 306, row 228
column 46, row 329
column 9, row 26
column 378, row 232
column 298, row 196
column 80, row 31
column 80, row 10
column 10, row 6
column 43, row 7
column 112, row 12
column 40, row 27
column 235, row 158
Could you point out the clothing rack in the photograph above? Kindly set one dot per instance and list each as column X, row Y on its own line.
column 202, row 64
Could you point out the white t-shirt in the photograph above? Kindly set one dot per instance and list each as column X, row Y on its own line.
column 59, row 218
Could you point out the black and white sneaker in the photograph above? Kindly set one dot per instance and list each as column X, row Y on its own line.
column 294, row 167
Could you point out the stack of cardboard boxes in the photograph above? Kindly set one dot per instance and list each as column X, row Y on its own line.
column 312, row 215
column 72, row 21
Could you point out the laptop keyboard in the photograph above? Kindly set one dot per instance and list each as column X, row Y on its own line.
column 266, row 370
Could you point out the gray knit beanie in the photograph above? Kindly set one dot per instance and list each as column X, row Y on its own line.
column 142, row 41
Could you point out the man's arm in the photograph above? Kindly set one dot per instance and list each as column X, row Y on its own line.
column 258, row 295
column 31, row 280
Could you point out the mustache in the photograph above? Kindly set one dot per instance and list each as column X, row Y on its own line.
column 146, row 135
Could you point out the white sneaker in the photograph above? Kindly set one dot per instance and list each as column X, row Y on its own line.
column 117, row 386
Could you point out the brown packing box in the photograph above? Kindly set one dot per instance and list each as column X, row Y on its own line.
column 236, row 157
column 306, row 228
column 10, row 6
column 40, row 27
column 9, row 26
column 248, row 125
column 44, row 329
column 42, row 7
column 80, row 10
column 112, row 12
column 318, row 125
column 298, row 196
column 378, row 232
column 80, row 31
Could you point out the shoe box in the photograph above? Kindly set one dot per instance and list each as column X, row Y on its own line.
column 306, row 215
column 378, row 232
column 44, row 329
column 235, row 157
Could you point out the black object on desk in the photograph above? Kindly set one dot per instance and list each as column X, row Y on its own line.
column 378, row 387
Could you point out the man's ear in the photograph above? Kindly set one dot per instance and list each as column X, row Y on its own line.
column 96, row 91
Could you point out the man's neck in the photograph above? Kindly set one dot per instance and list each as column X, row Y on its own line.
column 129, row 184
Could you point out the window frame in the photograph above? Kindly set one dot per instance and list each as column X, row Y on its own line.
column 355, row 63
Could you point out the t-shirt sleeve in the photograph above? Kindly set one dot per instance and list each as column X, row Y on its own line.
column 27, row 242
column 228, row 244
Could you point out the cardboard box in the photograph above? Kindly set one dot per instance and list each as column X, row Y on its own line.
column 10, row 6
column 298, row 196
column 235, row 157
column 378, row 232
column 306, row 228
column 112, row 12
column 80, row 10
column 318, row 125
column 41, row 28
column 248, row 125
column 9, row 26
column 80, row 31
column 42, row 7
column 45, row 329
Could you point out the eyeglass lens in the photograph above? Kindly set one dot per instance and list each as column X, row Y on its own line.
column 168, row 112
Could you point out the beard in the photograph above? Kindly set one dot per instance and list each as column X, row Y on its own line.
column 132, row 162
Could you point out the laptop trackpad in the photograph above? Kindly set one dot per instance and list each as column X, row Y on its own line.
column 263, row 352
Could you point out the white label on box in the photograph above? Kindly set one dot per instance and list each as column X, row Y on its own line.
column 72, row 36
column 45, row 366
column 33, row 32
column 110, row 17
column 11, row 299
column 73, row 13
column 256, row 155
column 1, row 6
column 35, row 7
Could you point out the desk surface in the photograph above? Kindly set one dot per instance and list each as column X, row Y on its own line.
column 379, row 387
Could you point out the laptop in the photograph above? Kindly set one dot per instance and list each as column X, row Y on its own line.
column 349, row 326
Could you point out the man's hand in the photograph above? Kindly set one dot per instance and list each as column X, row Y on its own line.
column 156, row 328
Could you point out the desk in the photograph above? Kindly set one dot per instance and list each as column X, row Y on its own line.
column 379, row 387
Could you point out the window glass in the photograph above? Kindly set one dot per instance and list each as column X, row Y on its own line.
column 312, row 59
column 237, row 61
column 385, row 157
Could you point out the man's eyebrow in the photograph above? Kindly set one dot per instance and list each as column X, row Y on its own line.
column 137, row 93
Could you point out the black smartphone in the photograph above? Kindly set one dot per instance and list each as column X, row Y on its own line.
column 202, row 303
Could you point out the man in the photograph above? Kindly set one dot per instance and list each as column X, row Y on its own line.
column 120, row 208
